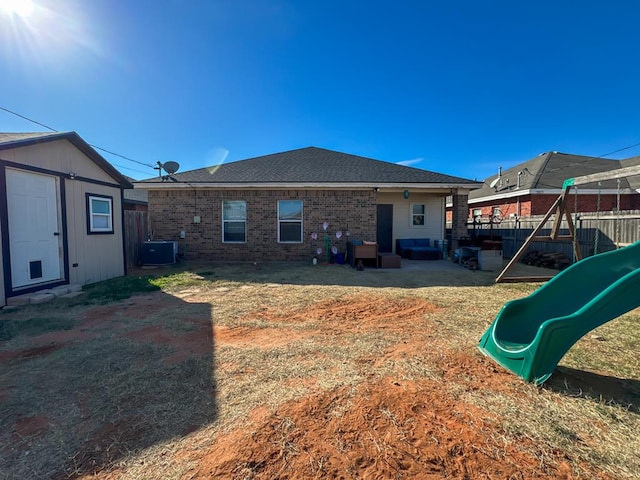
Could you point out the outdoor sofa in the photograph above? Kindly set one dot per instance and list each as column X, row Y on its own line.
column 417, row 249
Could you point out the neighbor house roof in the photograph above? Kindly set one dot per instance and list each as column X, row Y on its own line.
column 634, row 181
column 135, row 195
column 546, row 174
column 312, row 167
column 14, row 140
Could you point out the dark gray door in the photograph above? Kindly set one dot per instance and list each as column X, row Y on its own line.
column 384, row 230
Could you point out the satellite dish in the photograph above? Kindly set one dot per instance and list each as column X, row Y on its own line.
column 171, row 167
column 494, row 182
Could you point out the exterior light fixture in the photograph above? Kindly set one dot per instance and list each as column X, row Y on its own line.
column 406, row 194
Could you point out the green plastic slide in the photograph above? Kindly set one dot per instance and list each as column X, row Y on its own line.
column 530, row 335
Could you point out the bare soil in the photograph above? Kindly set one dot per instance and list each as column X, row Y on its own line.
column 386, row 426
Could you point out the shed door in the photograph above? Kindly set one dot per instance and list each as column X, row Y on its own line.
column 34, row 235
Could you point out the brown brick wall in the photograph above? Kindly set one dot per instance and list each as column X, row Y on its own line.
column 171, row 211
column 459, row 215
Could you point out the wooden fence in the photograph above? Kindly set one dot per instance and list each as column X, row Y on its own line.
column 135, row 232
column 595, row 231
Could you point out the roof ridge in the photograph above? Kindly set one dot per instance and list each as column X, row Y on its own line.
column 541, row 169
column 313, row 165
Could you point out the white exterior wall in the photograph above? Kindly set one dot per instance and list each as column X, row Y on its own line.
column 402, row 218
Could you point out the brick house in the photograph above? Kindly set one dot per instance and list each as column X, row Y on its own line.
column 274, row 207
column 530, row 188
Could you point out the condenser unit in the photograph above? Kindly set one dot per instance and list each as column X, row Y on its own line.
column 159, row 252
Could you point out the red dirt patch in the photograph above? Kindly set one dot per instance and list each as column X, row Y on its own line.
column 196, row 342
column 8, row 355
column 47, row 343
column 478, row 372
column 387, row 429
column 138, row 307
column 357, row 313
column 27, row 426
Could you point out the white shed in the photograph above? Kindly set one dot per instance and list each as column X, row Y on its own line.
column 61, row 214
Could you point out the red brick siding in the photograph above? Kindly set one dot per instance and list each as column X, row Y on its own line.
column 587, row 203
column 540, row 204
column 171, row 211
column 506, row 208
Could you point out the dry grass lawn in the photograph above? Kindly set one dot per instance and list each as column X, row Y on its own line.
column 290, row 371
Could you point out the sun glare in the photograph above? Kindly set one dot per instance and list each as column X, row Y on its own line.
column 21, row 8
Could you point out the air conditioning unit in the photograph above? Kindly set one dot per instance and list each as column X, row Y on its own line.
column 159, row 252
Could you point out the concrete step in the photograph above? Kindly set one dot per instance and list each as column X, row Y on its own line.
column 42, row 296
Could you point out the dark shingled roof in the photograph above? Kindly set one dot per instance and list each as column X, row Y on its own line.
column 19, row 137
column 14, row 140
column 312, row 165
column 548, row 171
column 634, row 181
column 136, row 195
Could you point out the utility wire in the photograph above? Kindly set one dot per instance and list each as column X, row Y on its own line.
column 129, row 169
column 619, row 150
column 122, row 156
column 28, row 119
column 94, row 146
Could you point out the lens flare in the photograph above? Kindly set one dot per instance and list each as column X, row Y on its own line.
column 21, row 8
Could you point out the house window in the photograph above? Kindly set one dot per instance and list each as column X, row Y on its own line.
column 234, row 221
column 290, row 221
column 477, row 212
column 417, row 214
column 99, row 214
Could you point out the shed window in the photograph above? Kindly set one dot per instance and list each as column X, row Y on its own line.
column 290, row 221
column 234, row 221
column 99, row 214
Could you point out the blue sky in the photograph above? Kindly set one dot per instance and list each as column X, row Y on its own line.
column 453, row 87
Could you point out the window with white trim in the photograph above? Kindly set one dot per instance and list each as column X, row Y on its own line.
column 99, row 214
column 234, row 221
column 477, row 212
column 289, row 221
column 418, row 214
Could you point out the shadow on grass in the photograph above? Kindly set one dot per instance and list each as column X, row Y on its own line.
column 623, row 392
column 128, row 376
column 413, row 274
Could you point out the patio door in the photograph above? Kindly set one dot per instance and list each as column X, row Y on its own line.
column 34, row 233
column 384, row 228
